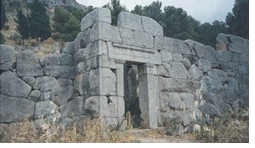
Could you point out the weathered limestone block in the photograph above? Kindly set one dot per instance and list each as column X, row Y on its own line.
column 130, row 21
column 164, row 43
column 166, row 56
column 65, row 82
column 94, row 82
column 107, row 82
column 60, row 71
column 175, row 85
column 66, row 59
column 177, row 57
column 46, row 83
column 81, row 68
column 143, row 39
column 50, row 61
column 188, row 100
column 45, row 109
column 175, row 102
column 221, row 46
column 14, row 109
column 244, row 96
column 82, row 85
column 92, row 106
column 29, row 80
column 233, row 84
column 179, row 71
column 13, row 86
column 73, row 108
column 181, row 47
column 61, row 95
column 224, row 56
column 186, row 62
column 109, row 106
column 213, row 85
column 152, row 27
column 218, row 75
column 46, row 96
column 205, row 52
column 127, row 36
column 210, row 110
column 189, row 116
column 172, row 116
column 210, row 97
column 69, row 48
column 106, row 32
column 28, row 64
column 235, row 44
column 7, row 57
column 204, row 65
column 35, row 96
column 195, row 73
column 97, row 15
column 104, row 62
column 245, row 58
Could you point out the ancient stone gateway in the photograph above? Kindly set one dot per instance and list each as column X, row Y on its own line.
column 181, row 81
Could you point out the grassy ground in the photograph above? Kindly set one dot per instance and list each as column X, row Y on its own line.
column 232, row 129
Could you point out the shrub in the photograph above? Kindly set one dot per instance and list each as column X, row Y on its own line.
column 6, row 27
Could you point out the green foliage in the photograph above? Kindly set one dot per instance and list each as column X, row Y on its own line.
column 115, row 8
column 39, row 22
column 23, row 25
column 6, row 27
column 78, row 13
column 138, row 10
column 3, row 15
column 238, row 22
column 66, row 26
column 2, row 40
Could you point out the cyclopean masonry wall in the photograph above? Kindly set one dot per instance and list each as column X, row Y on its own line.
column 181, row 81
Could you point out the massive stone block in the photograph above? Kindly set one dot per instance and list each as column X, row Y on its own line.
column 179, row 71
column 73, row 108
column 130, row 21
column 127, row 36
column 175, row 102
column 97, row 15
column 69, row 48
column 164, row 43
column 35, row 96
column 224, row 56
column 7, row 57
column 218, row 75
column 14, row 109
column 50, row 61
column 213, row 85
column 195, row 73
column 29, row 80
column 92, row 106
column 66, row 59
column 28, row 64
column 176, row 85
column 209, row 109
column 204, row 65
column 13, row 86
column 143, row 39
column 205, row 52
column 45, row 109
column 46, row 83
column 60, row 71
column 151, row 26
column 61, row 95
column 181, row 47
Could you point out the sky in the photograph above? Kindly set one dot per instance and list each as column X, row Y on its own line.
column 201, row 10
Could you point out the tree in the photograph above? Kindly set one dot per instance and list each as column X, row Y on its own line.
column 65, row 26
column 115, row 8
column 238, row 22
column 23, row 26
column 3, row 21
column 39, row 22
column 138, row 10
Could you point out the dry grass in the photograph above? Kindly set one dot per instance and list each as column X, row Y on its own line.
column 94, row 132
column 234, row 128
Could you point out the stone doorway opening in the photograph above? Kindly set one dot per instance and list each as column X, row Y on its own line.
column 131, row 93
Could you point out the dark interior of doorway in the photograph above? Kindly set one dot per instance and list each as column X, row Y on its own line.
column 131, row 94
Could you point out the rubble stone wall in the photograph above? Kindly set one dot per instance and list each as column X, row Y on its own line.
column 181, row 81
